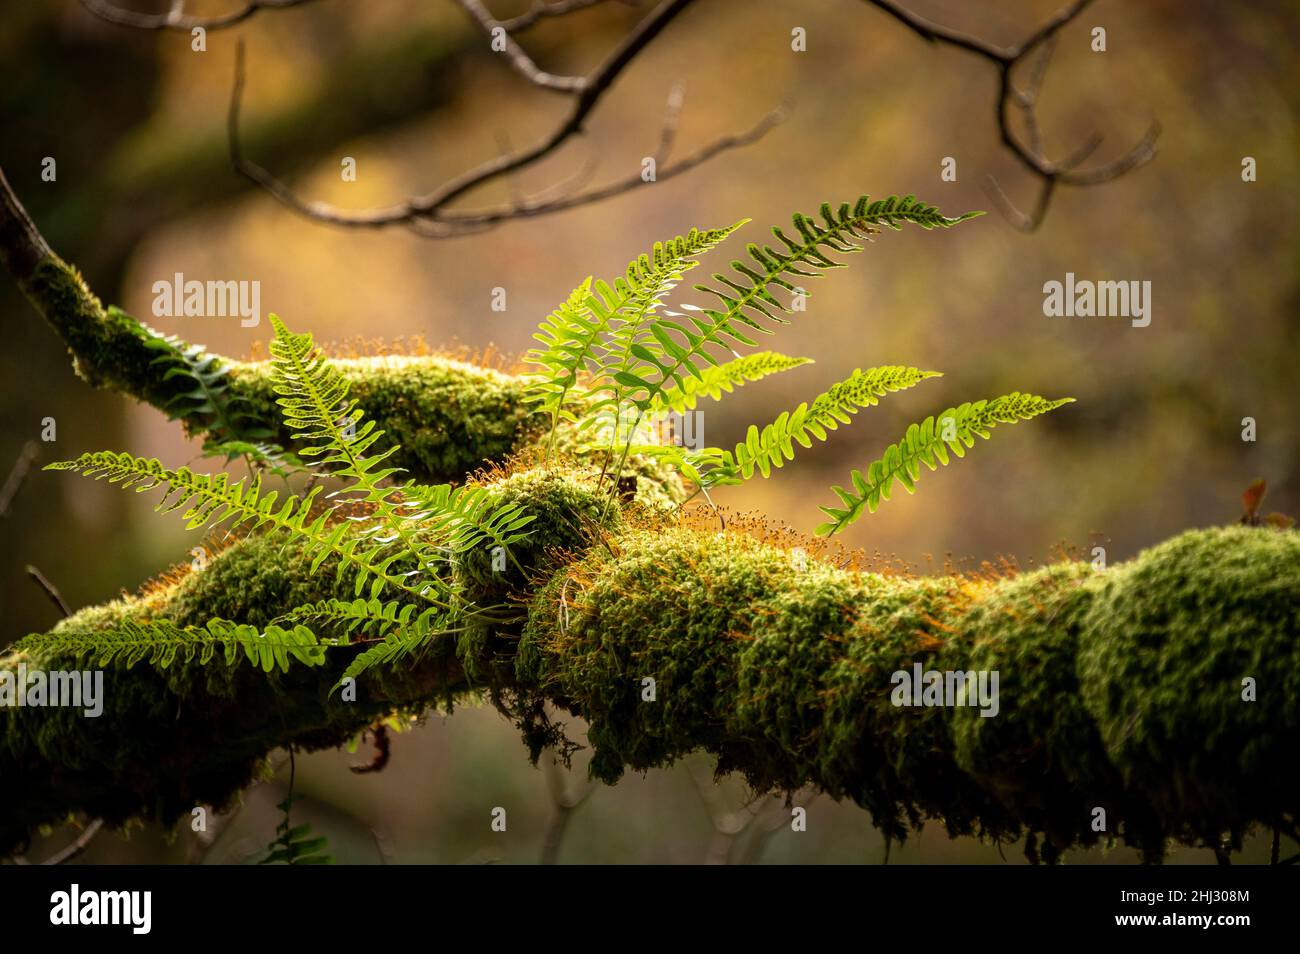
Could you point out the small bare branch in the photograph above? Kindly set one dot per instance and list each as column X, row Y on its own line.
column 521, row 61
column 175, row 19
column 428, row 215
column 50, row 589
column 22, row 466
column 541, row 10
column 1029, row 153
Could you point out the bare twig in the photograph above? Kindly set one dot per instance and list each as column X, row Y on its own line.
column 175, row 19
column 22, row 466
column 50, row 589
column 541, row 10
column 1029, row 153
column 74, row 850
column 564, row 803
column 521, row 61
column 428, row 215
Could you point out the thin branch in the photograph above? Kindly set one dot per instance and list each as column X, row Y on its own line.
column 50, row 589
column 22, row 466
column 22, row 247
column 175, row 19
column 541, row 10
column 427, row 215
column 563, row 803
column 1030, row 154
column 521, row 61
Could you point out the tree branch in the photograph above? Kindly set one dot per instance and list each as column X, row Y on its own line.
column 449, row 417
column 1010, row 98
column 1117, row 690
column 175, row 18
column 427, row 215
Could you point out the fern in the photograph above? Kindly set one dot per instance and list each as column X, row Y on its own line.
column 313, row 397
column 271, row 457
column 467, row 517
column 206, row 403
column 573, row 335
column 210, row 500
column 295, row 844
column 726, row 377
column 677, row 349
column 774, row 445
column 928, row 443
column 401, row 629
column 161, row 642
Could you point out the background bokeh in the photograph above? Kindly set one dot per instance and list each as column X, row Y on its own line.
column 136, row 123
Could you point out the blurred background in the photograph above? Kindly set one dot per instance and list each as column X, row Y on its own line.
column 1154, row 445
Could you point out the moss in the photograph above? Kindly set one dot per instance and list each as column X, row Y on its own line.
column 569, row 513
column 1120, row 689
column 106, row 344
column 1169, row 641
column 448, row 417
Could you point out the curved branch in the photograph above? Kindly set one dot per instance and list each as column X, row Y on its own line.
column 427, row 215
column 1118, row 689
column 175, row 18
column 449, row 417
column 1010, row 98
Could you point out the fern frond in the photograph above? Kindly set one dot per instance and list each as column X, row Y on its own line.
column 161, row 642
column 295, row 844
column 207, row 402
column 726, row 377
column 313, row 397
column 774, row 444
column 928, row 443
column 745, row 296
column 373, row 618
column 401, row 628
column 574, row 334
column 274, row 458
column 213, row 500
column 465, row 517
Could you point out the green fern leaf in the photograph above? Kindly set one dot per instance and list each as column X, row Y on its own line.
column 774, row 444
column 574, row 335
column 161, row 642
column 928, row 443
column 209, row 500
column 726, row 377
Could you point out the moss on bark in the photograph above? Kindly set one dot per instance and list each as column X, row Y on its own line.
column 781, row 669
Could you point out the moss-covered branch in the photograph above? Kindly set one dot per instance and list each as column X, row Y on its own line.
column 449, row 417
column 1120, row 690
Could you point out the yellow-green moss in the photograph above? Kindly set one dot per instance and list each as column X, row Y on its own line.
column 1119, row 690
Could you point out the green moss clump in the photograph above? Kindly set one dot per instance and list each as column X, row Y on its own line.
column 1170, row 639
column 1119, row 690
column 569, row 514
column 448, row 417
column 107, row 345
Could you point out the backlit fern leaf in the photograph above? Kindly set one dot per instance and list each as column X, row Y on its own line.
column 574, row 335
column 774, row 444
column 928, row 443
column 161, row 642
column 717, row 379
column 213, row 500
column 745, row 296
column 466, row 517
